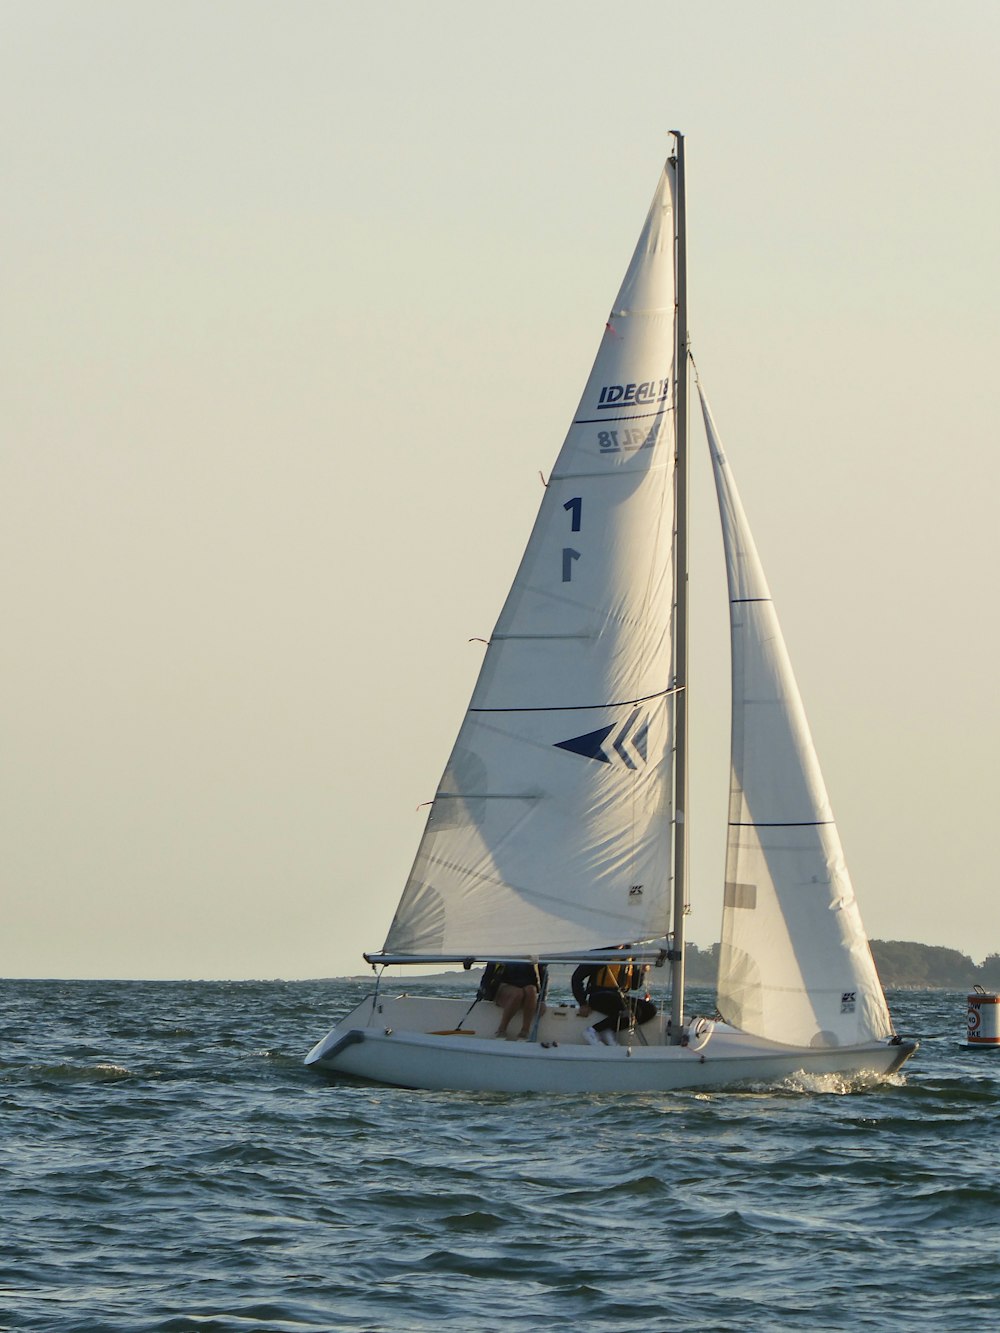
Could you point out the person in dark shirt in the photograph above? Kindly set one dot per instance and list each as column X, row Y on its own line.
column 605, row 988
column 515, row 987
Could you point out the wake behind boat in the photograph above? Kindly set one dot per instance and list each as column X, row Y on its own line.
column 558, row 830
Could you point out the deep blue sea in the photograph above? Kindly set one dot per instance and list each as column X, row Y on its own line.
column 167, row 1164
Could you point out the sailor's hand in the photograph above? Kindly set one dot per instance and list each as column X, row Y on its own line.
column 584, row 1010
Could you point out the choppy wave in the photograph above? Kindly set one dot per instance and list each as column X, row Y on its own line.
column 170, row 1167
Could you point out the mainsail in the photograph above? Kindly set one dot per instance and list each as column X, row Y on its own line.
column 550, row 830
column 795, row 965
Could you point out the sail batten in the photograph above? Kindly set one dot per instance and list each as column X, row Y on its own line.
column 798, row 823
column 577, row 708
column 600, row 421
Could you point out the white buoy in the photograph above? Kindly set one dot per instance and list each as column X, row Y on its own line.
column 984, row 1020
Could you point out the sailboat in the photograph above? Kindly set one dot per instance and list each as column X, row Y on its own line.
column 558, row 833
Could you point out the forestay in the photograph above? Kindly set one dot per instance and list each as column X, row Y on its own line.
column 795, row 965
column 550, row 830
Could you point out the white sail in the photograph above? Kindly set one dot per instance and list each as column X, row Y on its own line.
column 795, row 965
column 550, row 830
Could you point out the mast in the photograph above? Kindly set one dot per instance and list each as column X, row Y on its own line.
column 681, row 605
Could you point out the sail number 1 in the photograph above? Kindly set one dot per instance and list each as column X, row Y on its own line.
column 574, row 508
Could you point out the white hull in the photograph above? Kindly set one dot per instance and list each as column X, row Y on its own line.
column 411, row 1042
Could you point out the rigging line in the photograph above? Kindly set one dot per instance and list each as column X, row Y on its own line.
column 633, row 1024
column 583, row 708
column 738, row 601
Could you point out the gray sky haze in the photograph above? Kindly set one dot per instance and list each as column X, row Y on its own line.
column 298, row 302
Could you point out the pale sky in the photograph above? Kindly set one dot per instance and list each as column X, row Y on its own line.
column 299, row 299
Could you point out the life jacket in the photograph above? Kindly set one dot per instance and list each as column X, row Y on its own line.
column 514, row 974
column 490, row 983
column 616, row 976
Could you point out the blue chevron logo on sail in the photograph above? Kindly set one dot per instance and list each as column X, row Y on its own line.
column 626, row 746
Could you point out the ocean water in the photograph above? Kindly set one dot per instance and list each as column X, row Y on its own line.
column 167, row 1164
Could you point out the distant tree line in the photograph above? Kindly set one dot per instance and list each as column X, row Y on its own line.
column 901, row 964
column 701, row 966
column 932, row 967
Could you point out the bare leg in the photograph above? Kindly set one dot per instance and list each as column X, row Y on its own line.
column 528, row 1009
column 508, row 1000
